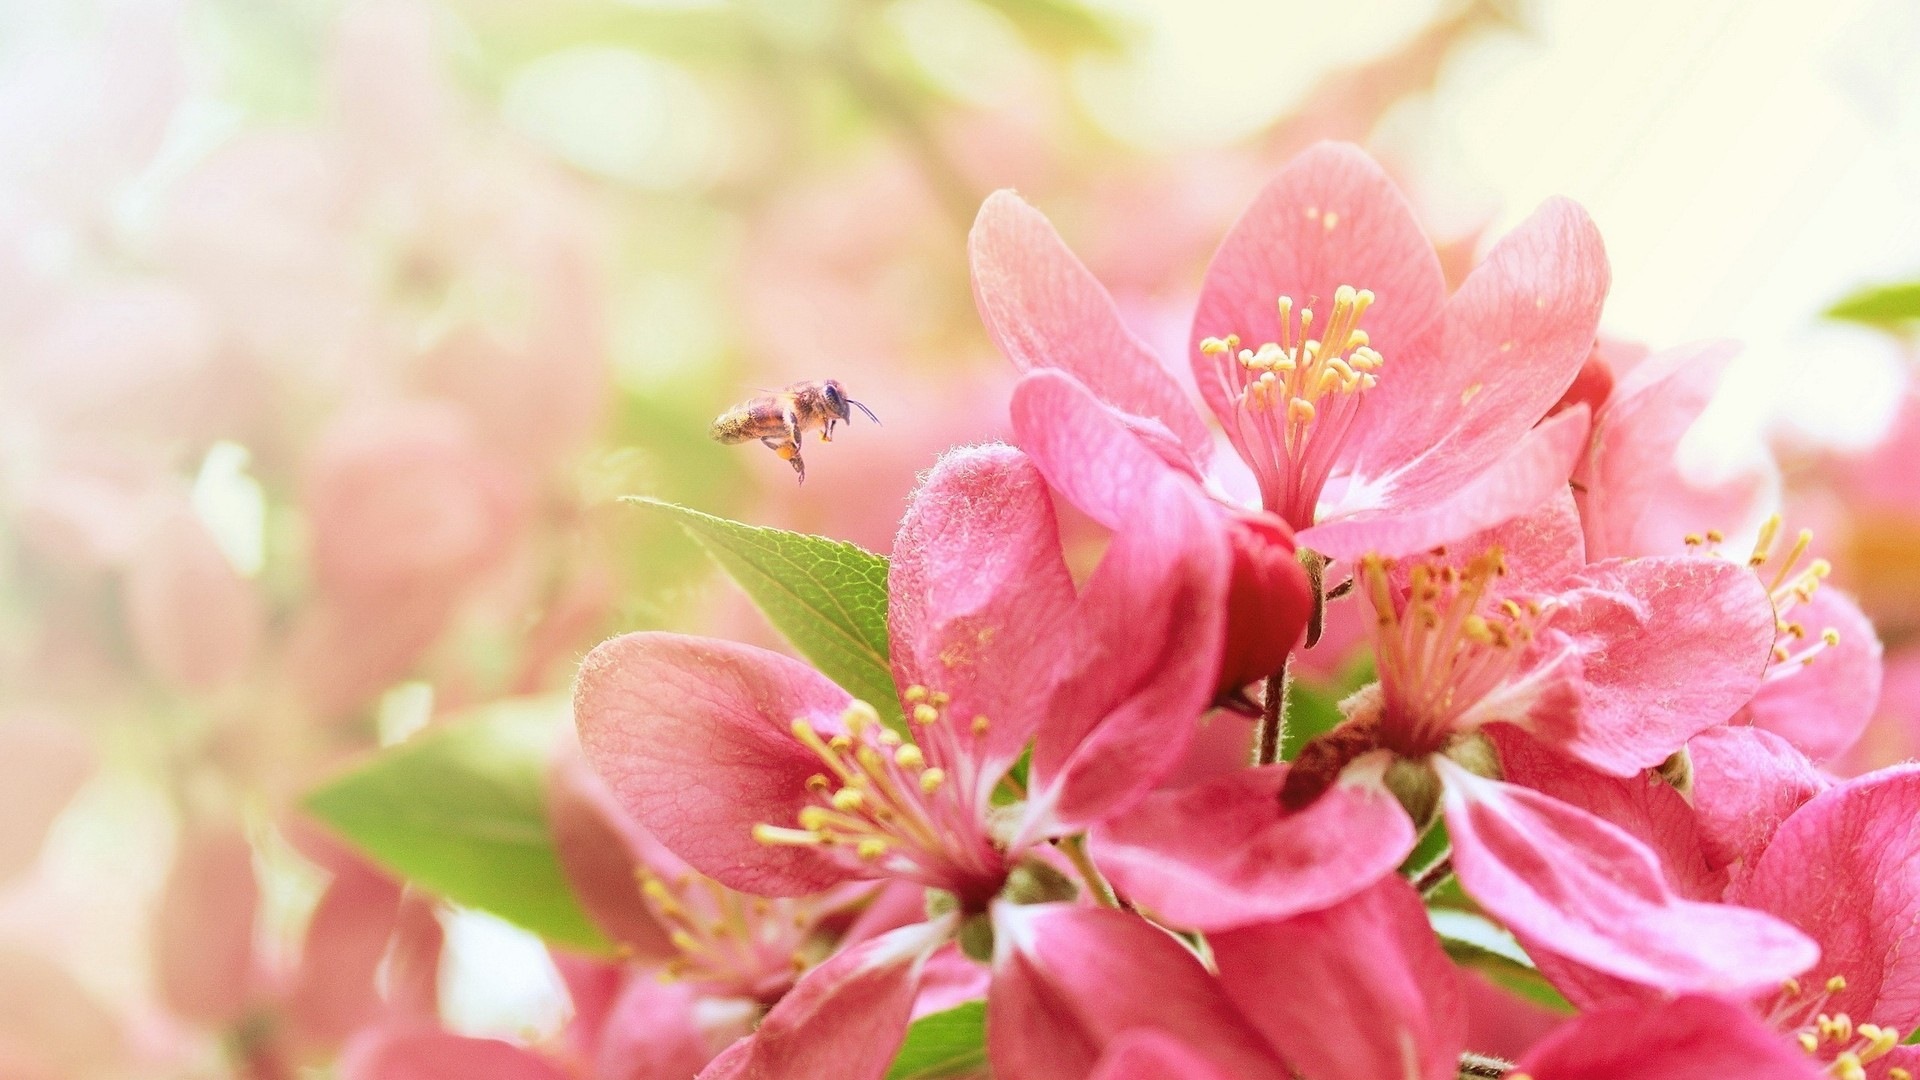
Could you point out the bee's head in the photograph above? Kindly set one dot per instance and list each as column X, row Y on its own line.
column 837, row 400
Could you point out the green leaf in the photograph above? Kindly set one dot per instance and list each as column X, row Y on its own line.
column 943, row 1044
column 828, row 597
column 1474, row 942
column 1880, row 305
column 461, row 811
column 1313, row 705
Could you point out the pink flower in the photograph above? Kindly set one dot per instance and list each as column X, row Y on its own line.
column 1415, row 428
column 765, row 776
column 1615, row 664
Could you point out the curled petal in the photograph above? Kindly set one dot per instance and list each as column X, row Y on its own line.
column 695, row 738
column 1669, row 647
column 1223, row 854
column 1822, row 705
column 1846, row 869
column 1149, row 633
column 979, row 598
column 1567, row 881
column 1069, row 981
column 845, row 1019
column 1046, row 310
column 1691, row 1038
column 1746, row 781
column 1359, row 989
column 1086, row 450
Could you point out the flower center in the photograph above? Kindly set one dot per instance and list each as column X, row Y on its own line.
column 881, row 808
column 744, row 946
column 1295, row 398
column 1791, row 584
column 1833, row 1037
column 1446, row 646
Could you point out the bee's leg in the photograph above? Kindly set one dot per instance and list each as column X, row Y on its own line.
column 789, row 452
column 826, row 433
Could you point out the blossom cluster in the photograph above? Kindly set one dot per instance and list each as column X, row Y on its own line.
column 1589, row 726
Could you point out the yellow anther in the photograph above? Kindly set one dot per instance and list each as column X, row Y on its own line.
column 1213, row 346
column 925, row 714
column 859, row 716
column 871, row 848
column 1695, row 540
column 1790, row 987
column 1300, row 411
column 848, row 799
column 979, row 725
column 1836, row 984
column 1831, row 636
column 1847, row 1066
column 1898, row 1073
column 909, row 757
column 915, row 693
column 1808, row 1041
column 931, row 780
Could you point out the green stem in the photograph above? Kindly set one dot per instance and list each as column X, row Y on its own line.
column 1076, row 848
column 1273, row 716
column 1428, row 881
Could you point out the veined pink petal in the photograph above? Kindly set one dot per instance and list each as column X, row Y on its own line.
column 845, row 1019
column 335, row 990
column 1359, row 989
column 1084, row 448
column 1669, row 647
column 1507, row 346
column 1821, row 706
column 1046, row 310
column 1585, row 889
column 1846, row 869
column 1149, row 632
column 1068, row 981
column 1633, row 496
column 980, row 603
column 601, row 849
column 1437, row 508
column 203, row 931
column 437, row 1055
column 1145, row 1053
column 1332, row 217
column 1538, row 549
column 42, row 766
column 694, row 736
column 656, row 1029
column 1644, row 806
column 1222, row 854
column 1746, row 781
column 1692, row 1038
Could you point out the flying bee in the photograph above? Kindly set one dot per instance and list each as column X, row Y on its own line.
column 779, row 419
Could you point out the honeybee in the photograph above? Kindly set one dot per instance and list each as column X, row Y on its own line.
column 779, row 419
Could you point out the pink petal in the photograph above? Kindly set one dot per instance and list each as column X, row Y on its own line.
column 1138, row 1054
column 1823, row 706
column 1086, row 450
column 1646, row 807
column 52, row 1027
column 694, row 736
column 1846, row 869
column 1669, row 648
column 413, row 961
column 1045, row 310
column 1069, row 981
column 1222, row 854
column 1539, row 548
column 438, row 1055
column 1359, row 989
column 656, row 1029
column 1332, row 217
column 1150, row 627
column 950, row 979
column 195, row 621
column 1634, row 498
column 1746, row 781
column 1438, row 508
column 601, row 849
column 203, row 931
column 42, row 767
column 335, row 990
column 979, row 600
column 1510, row 342
column 1692, row 1038
column 845, row 1019
column 1585, row 889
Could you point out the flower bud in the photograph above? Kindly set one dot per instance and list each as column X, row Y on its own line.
column 1268, row 600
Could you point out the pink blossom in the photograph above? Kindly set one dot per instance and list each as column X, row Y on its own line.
column 1347, row 447
column 730, row 754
